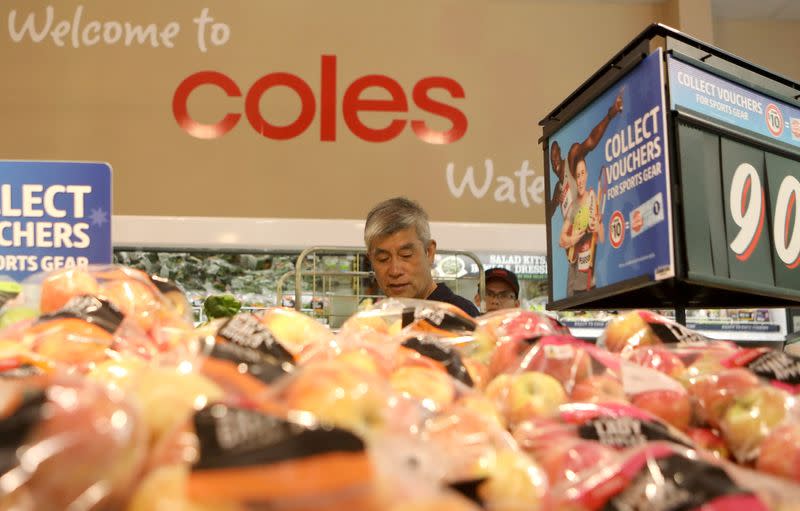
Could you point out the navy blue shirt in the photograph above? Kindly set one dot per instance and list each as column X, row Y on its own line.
column 443, row 293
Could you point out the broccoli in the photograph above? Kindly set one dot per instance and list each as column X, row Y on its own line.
column 221, row 306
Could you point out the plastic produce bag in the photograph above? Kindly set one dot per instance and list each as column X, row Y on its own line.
column 69, row 445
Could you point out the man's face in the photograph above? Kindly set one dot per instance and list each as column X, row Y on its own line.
column 580, row 177
column 403, row 265
column 556, row 162
column 499, row 295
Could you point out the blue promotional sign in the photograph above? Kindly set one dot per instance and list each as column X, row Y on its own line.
column 720, row 99
column 53, row 215
column 609, row 188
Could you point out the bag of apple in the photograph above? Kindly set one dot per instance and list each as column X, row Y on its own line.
column 294, row 330
column 68, row 444
column 155, row 305
column 243, row 357
column 665, row 477
column 533, row 376
column 462, row 436
column 582, row 436
column 86, row 331
column 743, row 399
column 246, row 459
column 636, row 328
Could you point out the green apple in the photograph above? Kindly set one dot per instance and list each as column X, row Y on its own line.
column 533, row 395
column 751, row 418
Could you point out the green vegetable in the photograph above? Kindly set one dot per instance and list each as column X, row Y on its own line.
column 221, row 306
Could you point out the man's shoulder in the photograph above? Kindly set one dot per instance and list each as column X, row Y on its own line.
column 442, row 293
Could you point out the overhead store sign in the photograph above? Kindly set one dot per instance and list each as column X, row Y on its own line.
column 609, row 182
column 53, row 215
column 259, row 119
column 723, row 100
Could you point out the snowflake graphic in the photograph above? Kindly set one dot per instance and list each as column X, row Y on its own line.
column 98, row 217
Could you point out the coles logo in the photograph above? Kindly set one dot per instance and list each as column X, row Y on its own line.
column 326, row 104
column 774, row 119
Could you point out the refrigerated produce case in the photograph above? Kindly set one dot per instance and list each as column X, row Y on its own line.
column 264, row 278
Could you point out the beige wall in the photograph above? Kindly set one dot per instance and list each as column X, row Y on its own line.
column 772, row 44
column 515, row 60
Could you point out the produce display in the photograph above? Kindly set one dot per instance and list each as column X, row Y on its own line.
column 110, row 398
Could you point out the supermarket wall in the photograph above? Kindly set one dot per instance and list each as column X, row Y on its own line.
column 74, row 90
column 772, row 44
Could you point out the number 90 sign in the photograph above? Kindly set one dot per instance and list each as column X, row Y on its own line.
column 748, row 210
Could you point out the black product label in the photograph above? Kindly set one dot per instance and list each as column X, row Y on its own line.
column 164, row 285
column 469, row 489
column 235, row 437
column 256, row 364
column 777, row 365
column 623, row 432
column 90, row 309
column 15, row 428
column 245, row 330
column 676, row 483
column 444, row 354
column 670, row 332
column 438, row 317
column 23, row 371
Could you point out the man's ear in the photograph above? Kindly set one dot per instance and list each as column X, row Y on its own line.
column 430, row 251
column 516, row 303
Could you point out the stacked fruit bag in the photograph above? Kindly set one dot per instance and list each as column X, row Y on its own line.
column 744, row 400
column 611, row 431
column 109, row 399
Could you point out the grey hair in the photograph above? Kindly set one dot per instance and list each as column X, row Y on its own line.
column 394, row 215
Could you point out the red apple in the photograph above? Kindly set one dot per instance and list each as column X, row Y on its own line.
column 750, row 419
column 780, row 452
column 658, row 358
column 139, row 301
column 671, row 406
column 533, row 394
column 508, row 355
column 294, row 330
column 599, row 389
column 479, row 405
column 715, row 393
column 61, row 286
column 463, row 444
column 407, row 357
column 568, row 363
column 87, row 438
column 517, row 326
column 339, row 394
column 709, row 440
column 478, row 372
column 567, row 463
column 543, row 433
column 627, row 331
column 431, row 387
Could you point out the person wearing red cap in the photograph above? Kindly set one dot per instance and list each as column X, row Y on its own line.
column 502, row 290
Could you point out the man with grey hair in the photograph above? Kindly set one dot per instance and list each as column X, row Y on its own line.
column 401, row 251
